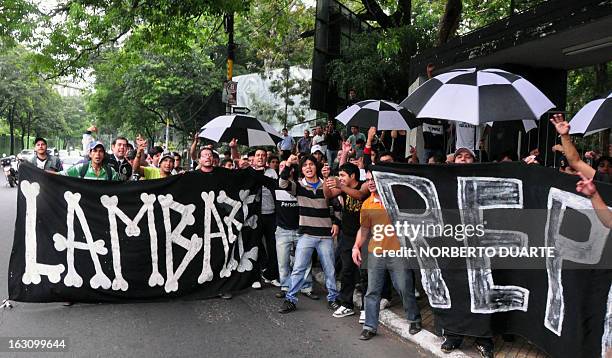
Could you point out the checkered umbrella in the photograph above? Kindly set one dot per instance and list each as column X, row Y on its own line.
column 383, row 115
column 594, row 117
column 246, row 129
column 476, row 97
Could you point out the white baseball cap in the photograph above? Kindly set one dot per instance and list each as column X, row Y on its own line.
column 316, row 148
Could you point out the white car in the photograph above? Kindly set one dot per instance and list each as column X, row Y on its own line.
column 25, row 155
column 70, row 161
column 63, row 153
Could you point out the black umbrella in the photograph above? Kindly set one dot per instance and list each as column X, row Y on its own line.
column 381, row 114
column 246, row 129
column 477, row 97
column 594, row 117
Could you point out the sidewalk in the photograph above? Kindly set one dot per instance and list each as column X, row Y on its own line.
column 392, row 319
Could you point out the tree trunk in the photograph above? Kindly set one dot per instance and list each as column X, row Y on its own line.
column 450, row 21
column 601, row 82
column 11, row 121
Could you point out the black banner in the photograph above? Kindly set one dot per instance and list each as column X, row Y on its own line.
column 558, row 302
column 95, row 241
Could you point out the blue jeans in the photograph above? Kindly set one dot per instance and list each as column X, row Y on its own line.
column 303, row 259
column 403, row 281
column 331, row 157
column 285, row 241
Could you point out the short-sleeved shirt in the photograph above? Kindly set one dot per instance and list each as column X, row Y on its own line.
column 75, row 172
column 151, row 173
column 353, row 138
column 350, row 214
column 286, row 143
column 374, row 217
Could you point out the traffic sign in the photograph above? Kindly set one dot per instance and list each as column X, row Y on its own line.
column 241, row 110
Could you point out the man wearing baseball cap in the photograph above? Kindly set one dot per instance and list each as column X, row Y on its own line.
column 44, row 160
column 317, row 152
column 464, row 156
column 166, row 165
column 95, row 168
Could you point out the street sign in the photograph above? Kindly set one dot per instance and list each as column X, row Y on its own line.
column 229, row 92
column 241, row 110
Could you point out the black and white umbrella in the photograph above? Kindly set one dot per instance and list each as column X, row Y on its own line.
column 594, row 117
column 383, row 115
column 246, row 129
column 476, row 97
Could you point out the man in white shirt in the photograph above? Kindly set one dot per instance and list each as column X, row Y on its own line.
column 44, row 160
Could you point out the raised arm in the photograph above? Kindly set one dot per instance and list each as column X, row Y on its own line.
column 193, row 150
column 587, row 187
column 569, row 149
column 233, row 144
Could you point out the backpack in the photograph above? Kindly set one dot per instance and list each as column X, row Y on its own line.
column 107, row 169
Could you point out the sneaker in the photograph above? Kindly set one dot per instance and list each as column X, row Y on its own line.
column 280, row 294
column 343, row 312
column 256, row 285
column 68, row 304
column 417, row 294
column 450, row 344
column 384, row 303
column 311, row 295
column 226, row 296
column 333, row 305
column 415, row 327
column 275, row 283
column 366, row 334
column 287, row 307
column 362, row 317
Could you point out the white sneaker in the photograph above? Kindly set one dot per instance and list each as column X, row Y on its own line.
column 362, row 317
column 256, row 285
column 275, row 283
column 384, row 303
column 343, row 312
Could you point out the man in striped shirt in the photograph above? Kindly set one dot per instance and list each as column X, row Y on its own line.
column 317, row 228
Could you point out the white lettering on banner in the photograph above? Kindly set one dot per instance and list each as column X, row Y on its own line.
column 33, row 269
column 67, row 243
column 209, row 204
column 245, row 263
column 431, row 275
column 475, row 194
column 175, row 236
column 587, row 252
column 231, row 221
column 131, row 229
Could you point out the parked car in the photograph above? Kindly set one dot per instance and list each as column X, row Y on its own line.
column 70, row 161
column 63, row 153
column 25, row 155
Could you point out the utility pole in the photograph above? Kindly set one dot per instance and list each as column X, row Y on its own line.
column 231, row 46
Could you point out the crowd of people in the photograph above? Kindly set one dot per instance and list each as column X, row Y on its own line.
column 320, row 196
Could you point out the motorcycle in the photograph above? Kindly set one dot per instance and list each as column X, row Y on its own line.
column 9, row 172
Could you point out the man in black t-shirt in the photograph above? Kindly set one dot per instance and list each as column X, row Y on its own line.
column 353, row 193
column 333, row 140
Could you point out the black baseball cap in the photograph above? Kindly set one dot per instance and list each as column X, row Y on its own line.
column 38, row 139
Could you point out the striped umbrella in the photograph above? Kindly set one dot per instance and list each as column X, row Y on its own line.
column 381, row 114
column 246, row 129
column 594, row 117
column 476, row 97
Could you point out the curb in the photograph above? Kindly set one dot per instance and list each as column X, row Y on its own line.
column 424, row 339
